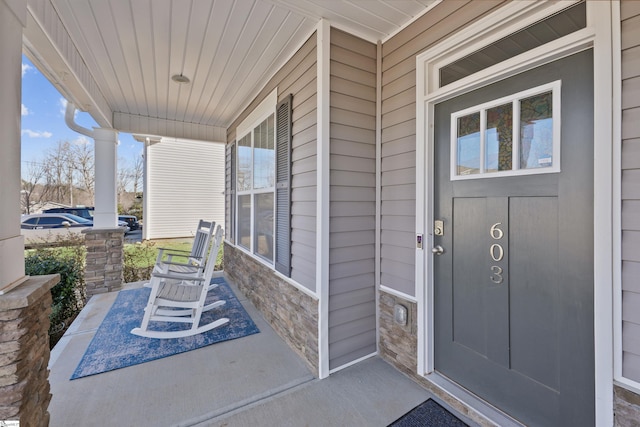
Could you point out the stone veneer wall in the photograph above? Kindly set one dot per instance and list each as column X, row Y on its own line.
column 398, row 345
column 626, row 407
column 24, row 352
column 292, row 313
column 105, row 253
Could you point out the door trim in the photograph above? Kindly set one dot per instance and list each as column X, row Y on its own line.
column 505, row 21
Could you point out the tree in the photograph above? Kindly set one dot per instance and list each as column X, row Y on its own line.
column 84, row 164
column 67, row 175
column 125, row 177
column 33, row 190
column 58, row 166
column 138, row 173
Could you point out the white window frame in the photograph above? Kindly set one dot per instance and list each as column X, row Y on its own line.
column 600, row 34
column 554, row 88
column 265, row 109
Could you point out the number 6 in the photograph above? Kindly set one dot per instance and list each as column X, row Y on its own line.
column 495, row 232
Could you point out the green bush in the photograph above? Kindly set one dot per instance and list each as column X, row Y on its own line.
column 138, row 261
column 66, row 258
column 67, row 295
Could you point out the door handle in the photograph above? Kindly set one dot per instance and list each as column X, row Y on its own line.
column 437, row 250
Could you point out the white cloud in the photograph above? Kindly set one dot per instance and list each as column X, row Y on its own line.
column 36, row 134
column 25, row 110
column 63, row 105
column 63, row 108
column 81, row 140
column 25, row 68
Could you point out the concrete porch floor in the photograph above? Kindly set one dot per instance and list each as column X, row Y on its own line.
column 252, row 381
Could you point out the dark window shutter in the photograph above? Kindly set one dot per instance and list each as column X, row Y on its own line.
column 283, row 186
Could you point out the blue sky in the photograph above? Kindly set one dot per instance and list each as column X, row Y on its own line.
column 43, row 122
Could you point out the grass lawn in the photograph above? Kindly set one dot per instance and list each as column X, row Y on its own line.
column 144, row 254
column 139, row 258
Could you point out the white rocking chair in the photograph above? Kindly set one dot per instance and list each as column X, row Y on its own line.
column 195, row 257
column 179, row 297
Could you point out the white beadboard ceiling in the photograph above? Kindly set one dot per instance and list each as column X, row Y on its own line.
column 227, row 48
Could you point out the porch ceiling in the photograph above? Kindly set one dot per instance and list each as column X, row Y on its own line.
column 228, row 49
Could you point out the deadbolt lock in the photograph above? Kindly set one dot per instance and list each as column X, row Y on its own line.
column 438, row 227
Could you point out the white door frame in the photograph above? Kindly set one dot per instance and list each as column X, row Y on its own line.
column 497, row 25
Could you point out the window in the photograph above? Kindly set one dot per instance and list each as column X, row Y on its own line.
column 552, row 28
column 255, row 187
column 514, row 135
column 51, row 220
column 259, row 181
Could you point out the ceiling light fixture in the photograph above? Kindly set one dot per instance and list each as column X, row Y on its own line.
column 180, row 78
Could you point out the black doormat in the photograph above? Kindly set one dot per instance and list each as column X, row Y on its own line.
column 428, row 414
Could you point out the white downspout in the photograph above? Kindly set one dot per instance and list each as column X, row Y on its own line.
column 106, row 166
column 69, row 118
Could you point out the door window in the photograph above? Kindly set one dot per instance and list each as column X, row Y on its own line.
column 514, row 135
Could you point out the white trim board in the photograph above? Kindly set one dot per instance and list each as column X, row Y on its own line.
column 378, row 241
column 496, row 25
column 279, row 275
column 513, row 99
column 353, row 362
column 266, row 107
column 399, row 294
column 322, row 193
column 617, row 207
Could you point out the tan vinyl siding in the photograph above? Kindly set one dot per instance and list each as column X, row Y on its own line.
column 298, row 77
column 186, row 183
column 630, row 27
column 352, row 311
column 398, row 163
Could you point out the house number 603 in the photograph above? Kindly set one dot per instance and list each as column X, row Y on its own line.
column 497, row 253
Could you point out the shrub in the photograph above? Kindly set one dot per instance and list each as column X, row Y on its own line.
column 138, row 261
column 64, row 256
column 68, row 294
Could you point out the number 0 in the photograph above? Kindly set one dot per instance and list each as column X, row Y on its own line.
column 500, row 252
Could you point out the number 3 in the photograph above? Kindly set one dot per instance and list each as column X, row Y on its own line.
column 496, row 277
column 497, row 253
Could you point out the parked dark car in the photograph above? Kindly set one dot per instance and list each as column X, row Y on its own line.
column 53, row 220
column 131, row 220
column 86, row 213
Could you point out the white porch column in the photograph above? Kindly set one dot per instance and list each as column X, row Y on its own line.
column 106, row 170
column 12, row 19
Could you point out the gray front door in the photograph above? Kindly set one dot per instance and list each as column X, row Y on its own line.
column 514, row 285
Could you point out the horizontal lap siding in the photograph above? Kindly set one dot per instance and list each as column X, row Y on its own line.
column 186, row 183
column 630, row 25
column 398, row 152
column 352, row 321
column 298, row 77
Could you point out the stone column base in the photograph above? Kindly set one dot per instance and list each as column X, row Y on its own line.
column 105, row 254
column 24, row 352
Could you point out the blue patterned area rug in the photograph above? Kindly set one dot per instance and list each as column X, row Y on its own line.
column 114, row 347
column 428, row 414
